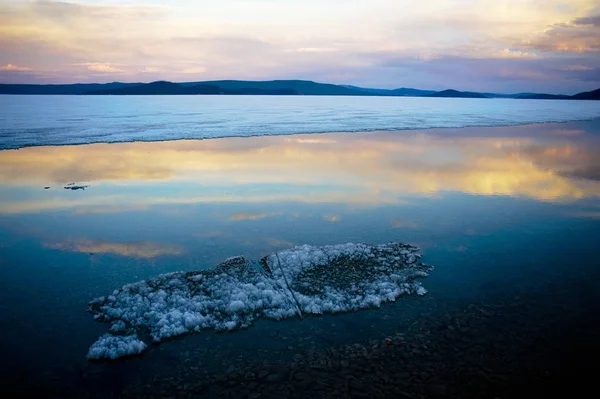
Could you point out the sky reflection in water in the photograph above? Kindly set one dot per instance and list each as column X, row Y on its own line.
column 556, row 162
column 159, row 198
column 486, row 205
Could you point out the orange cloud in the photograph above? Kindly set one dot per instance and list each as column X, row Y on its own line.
column 100, row 67
column 11, row 67
column 581, row 35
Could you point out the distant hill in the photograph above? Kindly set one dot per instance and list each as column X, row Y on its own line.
column 404, row 91
column 502, row 95
column 159, row 88
column 271, row 87
column 298, row 87
column 588, row 95
column 456, row 94
column 77, row 88
column 170, row 88
column 543, row 96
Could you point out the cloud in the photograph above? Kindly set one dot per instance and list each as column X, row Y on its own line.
column 591, row 20
column 142, row 249
column 11, row 67
column 330, row 42
column 99, row 67
column 590, row 172
column 548, row 74
column 194, row 70
column 508, row 53
column 581, row 35
column 104, row 68
column 314, row 50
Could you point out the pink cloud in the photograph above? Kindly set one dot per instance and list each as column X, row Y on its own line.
column 11, row 67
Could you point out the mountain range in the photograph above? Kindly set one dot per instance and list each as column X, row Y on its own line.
column 272, row 87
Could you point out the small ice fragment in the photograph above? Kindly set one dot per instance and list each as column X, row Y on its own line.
column 111, row 346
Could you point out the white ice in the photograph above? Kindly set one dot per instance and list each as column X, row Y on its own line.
column 111, row 346
column 303, row 280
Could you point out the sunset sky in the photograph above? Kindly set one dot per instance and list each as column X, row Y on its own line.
column 484, row 45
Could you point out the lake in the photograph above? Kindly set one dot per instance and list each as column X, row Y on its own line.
column 509, row 216
column 62, row 120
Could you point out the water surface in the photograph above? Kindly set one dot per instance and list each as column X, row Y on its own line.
column 60, row 120
column 495, row 210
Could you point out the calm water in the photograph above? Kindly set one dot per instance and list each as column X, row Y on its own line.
column 493, row 209
column 41, row 120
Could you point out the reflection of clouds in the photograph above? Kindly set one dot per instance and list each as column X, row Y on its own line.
column 360, row 169
column 588, row 215
column 141, row 249
column 249, row 216
column 279, row 243
column 406, row 224
column 312, row 141
column 103, row 210
column 460, row 248
column 332, row 218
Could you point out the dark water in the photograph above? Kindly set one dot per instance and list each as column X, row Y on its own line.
column 509, row 217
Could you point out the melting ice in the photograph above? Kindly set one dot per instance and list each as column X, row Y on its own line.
column 296, row 282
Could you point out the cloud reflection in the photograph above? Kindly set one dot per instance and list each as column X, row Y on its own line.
column 141, row 249
column 539, row 162
column 249, row 216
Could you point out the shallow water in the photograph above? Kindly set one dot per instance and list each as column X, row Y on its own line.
column 495, row 210
column 63, row 120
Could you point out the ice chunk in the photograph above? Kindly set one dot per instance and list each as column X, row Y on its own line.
column 302, row 280
column 341, row 278
column 111, row 346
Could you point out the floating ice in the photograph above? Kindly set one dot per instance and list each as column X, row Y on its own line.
column 299, row 281
column 115, row 346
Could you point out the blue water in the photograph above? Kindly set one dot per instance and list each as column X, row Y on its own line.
column 495, row 210
column 59, row 120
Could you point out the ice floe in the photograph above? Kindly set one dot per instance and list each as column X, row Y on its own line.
column 114, row 346
column 295, row 282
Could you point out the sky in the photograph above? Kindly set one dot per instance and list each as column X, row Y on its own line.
column 503, row 46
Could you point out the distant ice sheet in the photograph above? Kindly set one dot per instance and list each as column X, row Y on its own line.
column 65, row 120
column 295, row 282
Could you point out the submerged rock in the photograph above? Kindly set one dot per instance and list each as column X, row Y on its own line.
column 295, row 282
